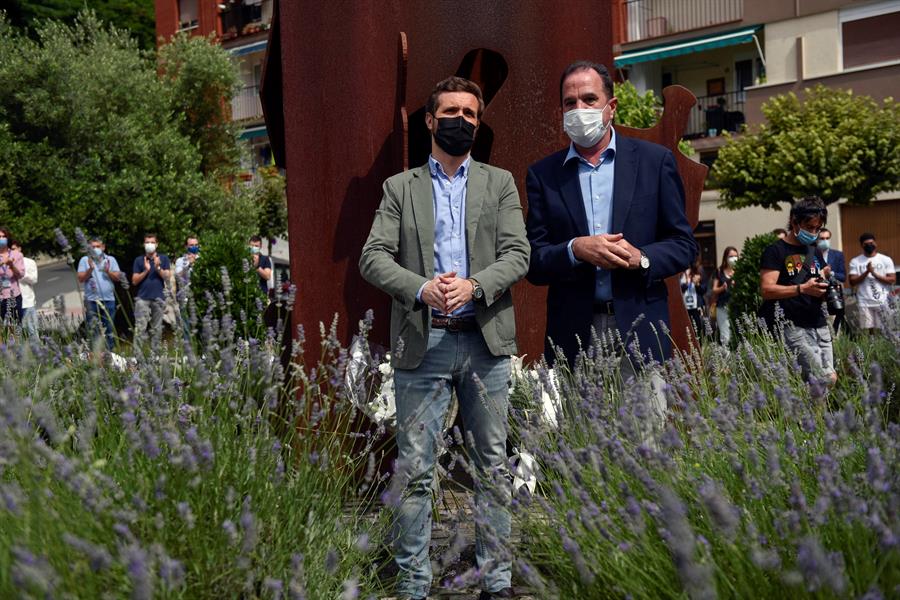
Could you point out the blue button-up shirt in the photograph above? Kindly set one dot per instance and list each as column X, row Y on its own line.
column 596, row 194
column 450, row 252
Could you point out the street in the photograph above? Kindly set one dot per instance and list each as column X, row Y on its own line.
column 55, row 279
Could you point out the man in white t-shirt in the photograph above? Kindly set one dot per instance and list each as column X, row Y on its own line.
column 872, row 274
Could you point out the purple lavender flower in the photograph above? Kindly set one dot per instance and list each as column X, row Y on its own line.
column 819, row 568
column 140, row 571
column 61, row 240
column 98, row 557
column 331, row 561
column 34, row 573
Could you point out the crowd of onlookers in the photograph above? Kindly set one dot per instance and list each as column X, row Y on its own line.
column 706, row 295
column 156, row 285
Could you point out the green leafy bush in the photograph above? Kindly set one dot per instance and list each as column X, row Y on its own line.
column 745, row 296
column 223, row 273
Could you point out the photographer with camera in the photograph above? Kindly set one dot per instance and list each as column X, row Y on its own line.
column 793, row 274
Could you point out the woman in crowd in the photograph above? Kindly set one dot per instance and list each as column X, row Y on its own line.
column 721, row 292
column 693, row 289
column 12, row 269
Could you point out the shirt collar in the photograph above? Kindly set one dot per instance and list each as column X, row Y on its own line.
column 608, row 153
column 435, row 168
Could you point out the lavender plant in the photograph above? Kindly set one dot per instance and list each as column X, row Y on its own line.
column 759, row 485
column 181, row 474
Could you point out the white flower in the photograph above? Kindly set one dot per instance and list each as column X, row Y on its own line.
column 382, row 408
column 524, row 470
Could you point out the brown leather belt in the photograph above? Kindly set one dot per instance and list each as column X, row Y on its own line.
column 454, row 324
column 604, row 308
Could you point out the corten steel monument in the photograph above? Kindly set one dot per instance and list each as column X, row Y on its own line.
column 343, row 91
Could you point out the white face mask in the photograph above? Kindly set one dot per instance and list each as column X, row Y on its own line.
column 585, row 126
column 149, row 247
column 732, row 260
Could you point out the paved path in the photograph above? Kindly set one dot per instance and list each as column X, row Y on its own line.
column 57, row 279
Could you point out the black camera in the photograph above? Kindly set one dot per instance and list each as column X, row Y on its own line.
column 834, row 295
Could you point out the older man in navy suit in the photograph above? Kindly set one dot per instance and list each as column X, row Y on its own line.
column 835, row 260
column 607, row 224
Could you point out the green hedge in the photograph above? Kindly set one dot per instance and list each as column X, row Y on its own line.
column 745, row 295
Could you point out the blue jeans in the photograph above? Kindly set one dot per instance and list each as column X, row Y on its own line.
column 99, row 315
column 453, row 360
column 29, row 319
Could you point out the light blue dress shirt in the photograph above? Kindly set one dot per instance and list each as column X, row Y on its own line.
column 596, row 194
column 450, row 252
column 99, row 287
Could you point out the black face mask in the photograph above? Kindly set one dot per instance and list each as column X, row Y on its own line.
column 454, row 135
column 869, row 248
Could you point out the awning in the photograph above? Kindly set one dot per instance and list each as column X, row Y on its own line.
column 248, row 48
column 253, row 132
column 708, row 42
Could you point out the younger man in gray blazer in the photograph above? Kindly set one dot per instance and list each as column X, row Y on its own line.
column 447, row 244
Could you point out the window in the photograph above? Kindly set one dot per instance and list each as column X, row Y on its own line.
column 187, row 14
column 869, row 33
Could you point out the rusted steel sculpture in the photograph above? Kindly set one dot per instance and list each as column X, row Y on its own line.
column 345, row 83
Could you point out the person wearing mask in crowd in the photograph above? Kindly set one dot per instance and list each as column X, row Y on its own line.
column 792, row 274
column 149, row 276
column 28, row 312
column 262, row 264
column 835, row 259
column 12, row 269
column 98, row 272
column 183, row 266
column 873, row 275
column 693, row 289
column 185, row 262
column 723, row 281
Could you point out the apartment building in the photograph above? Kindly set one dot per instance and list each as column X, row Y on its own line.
column 734, row 55
column 242, row 28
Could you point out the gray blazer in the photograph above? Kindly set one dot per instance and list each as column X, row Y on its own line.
column 398, row 257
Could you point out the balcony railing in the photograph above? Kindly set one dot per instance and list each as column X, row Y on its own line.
column 655, row 18
column 715, row 114
column 244, row 17
column 246, row 105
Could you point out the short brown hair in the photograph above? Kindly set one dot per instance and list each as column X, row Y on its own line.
column 586, row 65
column 454, row 84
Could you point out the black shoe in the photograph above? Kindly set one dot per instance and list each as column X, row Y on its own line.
column 504, row 593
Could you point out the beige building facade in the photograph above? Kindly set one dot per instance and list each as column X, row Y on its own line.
column 736, row 54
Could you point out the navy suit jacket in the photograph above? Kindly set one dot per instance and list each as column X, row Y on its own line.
column 835, row 260
column 648, row 209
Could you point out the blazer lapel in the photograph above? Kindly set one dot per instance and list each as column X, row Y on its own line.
column 475, row 192
column 423, row 212
column 625, row 175
column 570, row 189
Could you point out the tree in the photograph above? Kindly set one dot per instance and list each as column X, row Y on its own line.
column 137, row 16
column 833, row 145
column 641, row 111
column 203, row 80
column 94, row 142
column 272, row 204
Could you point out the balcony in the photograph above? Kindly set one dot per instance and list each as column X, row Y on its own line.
column 716, row 114
column 244, row 17
column 648, row 19
column 246, row 105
